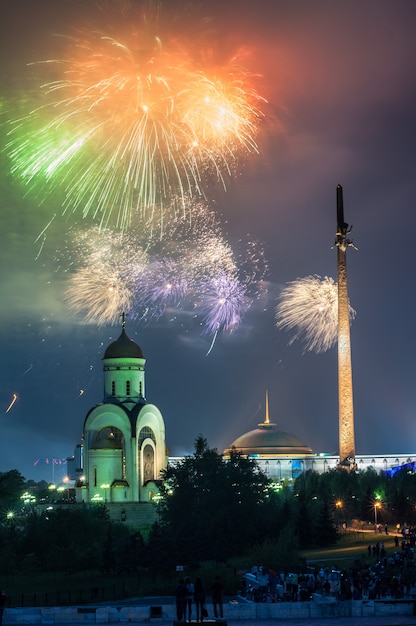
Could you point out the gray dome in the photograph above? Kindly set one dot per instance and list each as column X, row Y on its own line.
column 270, row 440
column 123, row 347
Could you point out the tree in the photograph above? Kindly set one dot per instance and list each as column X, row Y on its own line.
column 304, row 525
column 281, row 553
column 325, row 531
column 11, row 488
column 67, row 539
column 213, row 507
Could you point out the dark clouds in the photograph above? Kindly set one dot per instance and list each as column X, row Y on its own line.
column 340, row 81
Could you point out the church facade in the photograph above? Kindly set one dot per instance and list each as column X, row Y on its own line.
column 124, row 448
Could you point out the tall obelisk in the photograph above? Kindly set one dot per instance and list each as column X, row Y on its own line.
column 345, row 389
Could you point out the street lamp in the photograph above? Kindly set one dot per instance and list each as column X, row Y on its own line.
column 377, row 505
column 105, row 486
column 338, row 506
column 66, row 481
column 157, row 499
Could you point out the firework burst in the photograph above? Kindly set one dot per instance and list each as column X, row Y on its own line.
column 109, row 294
column 309, row 307
column 132, row 118
column 106, row 281
column 222, row 302
column 165, row 283
column 194, row 268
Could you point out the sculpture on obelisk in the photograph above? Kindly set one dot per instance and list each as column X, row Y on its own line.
column 345, row 389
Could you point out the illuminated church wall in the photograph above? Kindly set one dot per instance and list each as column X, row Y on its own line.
column 124, row 447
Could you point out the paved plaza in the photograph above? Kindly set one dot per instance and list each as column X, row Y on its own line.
column 388, row 620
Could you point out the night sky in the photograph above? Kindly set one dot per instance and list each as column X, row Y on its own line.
column 340, row 81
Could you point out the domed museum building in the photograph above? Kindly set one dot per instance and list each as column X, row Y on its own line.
column 282, row 455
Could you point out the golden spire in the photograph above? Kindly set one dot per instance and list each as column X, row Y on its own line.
column 267, row 423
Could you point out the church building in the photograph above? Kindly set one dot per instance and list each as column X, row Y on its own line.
column 124, row 448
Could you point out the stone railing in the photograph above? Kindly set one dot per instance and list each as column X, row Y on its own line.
column 237, row 610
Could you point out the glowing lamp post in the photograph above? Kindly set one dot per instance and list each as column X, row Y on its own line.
column 338, row 506
column 157, row 499
column 377, row 505
column 66, row 481
column 105, row 487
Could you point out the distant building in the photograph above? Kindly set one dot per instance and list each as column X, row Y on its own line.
column 124, row 448
column 283, row 456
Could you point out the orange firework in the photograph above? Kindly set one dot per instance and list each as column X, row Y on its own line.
column 134, row 117
column 11, row 403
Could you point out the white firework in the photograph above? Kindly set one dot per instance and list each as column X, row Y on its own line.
column 309, row 307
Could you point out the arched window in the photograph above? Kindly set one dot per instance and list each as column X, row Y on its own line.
column 111, row 433
column 115, row 440
column 148, row 463
column 146, row 433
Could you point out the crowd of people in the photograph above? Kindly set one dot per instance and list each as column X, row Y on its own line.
column 376, row 575
column 190, row 595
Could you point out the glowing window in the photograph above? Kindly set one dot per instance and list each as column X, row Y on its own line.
column 146, row 433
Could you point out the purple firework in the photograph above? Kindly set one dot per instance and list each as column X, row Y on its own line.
column 164, row 283
column 222, row 301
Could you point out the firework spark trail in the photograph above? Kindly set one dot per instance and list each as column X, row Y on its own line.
column 11, row 403
column 132, row 119
column 309, row 307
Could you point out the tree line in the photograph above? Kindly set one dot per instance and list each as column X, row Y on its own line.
column 210, row 508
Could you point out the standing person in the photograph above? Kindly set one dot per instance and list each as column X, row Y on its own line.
column 180, row 601
column 2, row 605
column 189, row 594
column 199, row 597
column 217, row 592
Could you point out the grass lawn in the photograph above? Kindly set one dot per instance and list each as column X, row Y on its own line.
column 50, row 589
column 351, row 546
